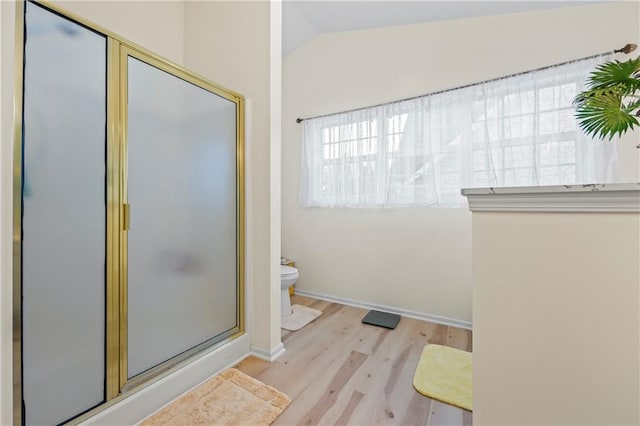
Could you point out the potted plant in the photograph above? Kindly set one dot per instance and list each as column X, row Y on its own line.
column 610, row 105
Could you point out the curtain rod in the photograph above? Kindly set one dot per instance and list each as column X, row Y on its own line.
column 628, row 48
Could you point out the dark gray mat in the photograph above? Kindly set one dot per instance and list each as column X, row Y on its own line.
column 381, row 319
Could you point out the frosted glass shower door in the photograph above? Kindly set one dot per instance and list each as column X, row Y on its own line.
column 182, row 264
column 63, row 218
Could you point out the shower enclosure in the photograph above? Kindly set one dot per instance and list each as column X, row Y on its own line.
column 128, row 214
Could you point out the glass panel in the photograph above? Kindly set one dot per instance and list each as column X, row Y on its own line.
column 182, row 191
column 63, row 218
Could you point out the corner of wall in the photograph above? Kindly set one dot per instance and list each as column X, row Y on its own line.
column 275, row 128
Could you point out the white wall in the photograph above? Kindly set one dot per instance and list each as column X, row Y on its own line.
column 555, row 318
column 417, row 259
column 230, row 43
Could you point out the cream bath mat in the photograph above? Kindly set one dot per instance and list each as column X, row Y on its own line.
column 230, row 398
column 300, row 317
column 444, row 374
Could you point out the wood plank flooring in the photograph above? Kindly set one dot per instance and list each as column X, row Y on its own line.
column 339, row 371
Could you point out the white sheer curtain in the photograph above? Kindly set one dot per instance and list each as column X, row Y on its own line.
column 516, row 131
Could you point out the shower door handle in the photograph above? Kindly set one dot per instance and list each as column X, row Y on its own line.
column 126, row 216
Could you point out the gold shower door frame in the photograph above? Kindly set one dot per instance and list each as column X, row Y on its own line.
column 127, row 51
column 117, row 384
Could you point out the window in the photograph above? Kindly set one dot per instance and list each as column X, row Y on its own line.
column 515, row 131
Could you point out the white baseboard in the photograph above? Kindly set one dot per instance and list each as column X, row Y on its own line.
column 141, row 404
column 268, row 355
column 404, row 312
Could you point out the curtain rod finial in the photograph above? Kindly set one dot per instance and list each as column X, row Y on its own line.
column 630, row 47
column 299, row 120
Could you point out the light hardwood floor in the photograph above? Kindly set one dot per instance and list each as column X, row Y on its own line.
column 338, row 371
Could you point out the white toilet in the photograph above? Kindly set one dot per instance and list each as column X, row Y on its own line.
column 288, row 277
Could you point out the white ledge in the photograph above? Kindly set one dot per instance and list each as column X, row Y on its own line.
column 613, row 197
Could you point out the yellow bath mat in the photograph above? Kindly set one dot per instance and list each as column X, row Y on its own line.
column 230, row 398
column 444, row 374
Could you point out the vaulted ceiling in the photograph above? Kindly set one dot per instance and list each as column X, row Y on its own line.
column 303, row 20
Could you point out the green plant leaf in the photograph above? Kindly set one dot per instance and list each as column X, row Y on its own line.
column 605, row 121
column 622, row 75
column 609, row 94
column 632, row 106
column 607, row 108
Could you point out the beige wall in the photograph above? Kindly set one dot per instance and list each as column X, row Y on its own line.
column 155, row 25
column 555, row 318
column 230, row 43
column 416, row 259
